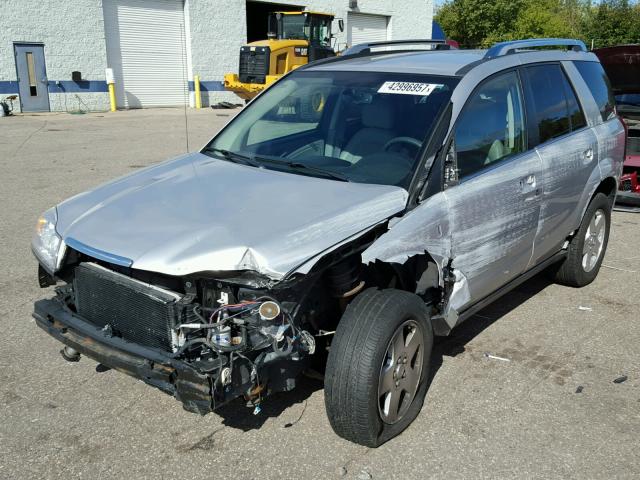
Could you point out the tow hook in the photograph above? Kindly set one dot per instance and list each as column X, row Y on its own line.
column 70, row 354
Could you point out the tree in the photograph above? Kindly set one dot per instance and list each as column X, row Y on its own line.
column 480, row 23
column 550, row 18
column 613, row 22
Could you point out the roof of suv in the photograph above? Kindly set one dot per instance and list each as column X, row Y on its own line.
column 444, row 61
column 435, row 62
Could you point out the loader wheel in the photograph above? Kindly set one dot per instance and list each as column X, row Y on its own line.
column 587, row 248
column 378, row 366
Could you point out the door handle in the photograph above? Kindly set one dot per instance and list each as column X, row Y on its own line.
column 528, row 182
column 588, row 154
column 529, row 185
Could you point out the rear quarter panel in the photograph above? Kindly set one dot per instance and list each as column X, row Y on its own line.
column 611, row 139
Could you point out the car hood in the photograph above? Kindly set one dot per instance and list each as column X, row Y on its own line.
column 622, row 64
column 197, row 213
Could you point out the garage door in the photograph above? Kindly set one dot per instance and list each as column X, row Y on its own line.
column 362, row 28
column 146, row 50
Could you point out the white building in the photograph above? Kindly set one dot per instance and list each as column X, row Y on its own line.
column 53, row 53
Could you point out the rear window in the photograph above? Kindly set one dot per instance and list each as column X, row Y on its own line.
column 628, row 100
column 600, row 87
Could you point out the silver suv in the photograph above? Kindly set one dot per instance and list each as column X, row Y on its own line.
column 355, row 209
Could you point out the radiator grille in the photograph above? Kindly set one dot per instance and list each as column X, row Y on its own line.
column 626, row 185
column 133, row 310
column 254, row 64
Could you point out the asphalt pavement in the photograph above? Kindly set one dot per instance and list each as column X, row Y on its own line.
column 525, row 389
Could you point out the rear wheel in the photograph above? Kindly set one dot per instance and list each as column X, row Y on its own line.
column 378, row 366
column 587, row 248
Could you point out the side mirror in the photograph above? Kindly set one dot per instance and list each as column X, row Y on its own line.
column 341, row 25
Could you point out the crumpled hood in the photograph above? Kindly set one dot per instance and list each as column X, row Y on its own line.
column 196, row 213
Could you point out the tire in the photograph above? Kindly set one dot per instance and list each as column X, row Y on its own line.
column 576, row 271
column 359, row 351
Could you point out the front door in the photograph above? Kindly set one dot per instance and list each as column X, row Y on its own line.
column 494, row 209
column 32, row 77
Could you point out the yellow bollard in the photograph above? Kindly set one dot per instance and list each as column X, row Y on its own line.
column 112, row 96
column 196, row 84
column 112, row 88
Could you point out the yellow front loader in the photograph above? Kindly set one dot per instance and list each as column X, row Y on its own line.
column 295, row 39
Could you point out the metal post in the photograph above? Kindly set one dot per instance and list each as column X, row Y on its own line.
column 112, row 96
column 112, row 88
column 196, row 83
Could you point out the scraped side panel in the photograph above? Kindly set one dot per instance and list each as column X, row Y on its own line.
column 483, row 229
column 424, row 229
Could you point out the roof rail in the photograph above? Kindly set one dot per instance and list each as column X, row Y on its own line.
column 506, row 48
column 364, row 48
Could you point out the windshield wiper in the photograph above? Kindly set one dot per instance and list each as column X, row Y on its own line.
column 233, row 156
column 303, row 166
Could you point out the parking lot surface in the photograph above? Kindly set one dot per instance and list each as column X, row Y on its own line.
column 541, row 404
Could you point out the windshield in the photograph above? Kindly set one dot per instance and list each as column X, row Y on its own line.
column 355, row 126
column 628, row 99
column 295, row 27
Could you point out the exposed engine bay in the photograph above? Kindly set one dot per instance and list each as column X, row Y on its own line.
column 245, row 335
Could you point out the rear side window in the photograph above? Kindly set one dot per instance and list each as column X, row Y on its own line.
column 598, row 82
column 557, row 111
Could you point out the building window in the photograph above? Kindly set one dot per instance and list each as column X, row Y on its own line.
column 31, row 69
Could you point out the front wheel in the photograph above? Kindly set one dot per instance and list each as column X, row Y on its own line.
column 587, row 248
column 378, row 366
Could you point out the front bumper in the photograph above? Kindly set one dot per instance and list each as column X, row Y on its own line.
column 152, row 366
column 247, row 91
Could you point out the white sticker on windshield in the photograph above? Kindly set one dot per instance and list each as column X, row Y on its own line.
column 409, row 88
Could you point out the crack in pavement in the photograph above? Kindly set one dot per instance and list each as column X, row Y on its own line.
column 29, row 138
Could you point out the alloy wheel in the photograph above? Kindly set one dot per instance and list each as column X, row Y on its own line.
column 400, row 372
column 594, row 240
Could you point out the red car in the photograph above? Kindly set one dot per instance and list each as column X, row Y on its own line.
column 622, row 64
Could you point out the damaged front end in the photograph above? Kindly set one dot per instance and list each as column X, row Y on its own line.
column 205, row 341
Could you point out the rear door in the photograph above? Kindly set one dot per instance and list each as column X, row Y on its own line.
column 494, row 209
column 568, row 149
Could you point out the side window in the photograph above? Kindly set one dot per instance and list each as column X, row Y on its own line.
column 491, row 126
column 600, row 87
column 547, row 84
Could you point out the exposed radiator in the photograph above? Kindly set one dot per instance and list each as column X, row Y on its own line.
column 254, row 64
column 137, row 312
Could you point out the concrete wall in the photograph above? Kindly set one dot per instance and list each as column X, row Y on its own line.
column 218, row 30
column 72, row 32
column 73, row 35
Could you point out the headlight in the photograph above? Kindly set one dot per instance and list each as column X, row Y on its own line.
column 46, row 243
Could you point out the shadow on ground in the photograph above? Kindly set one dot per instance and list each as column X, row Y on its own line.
column 455, row 343
column 237, row 415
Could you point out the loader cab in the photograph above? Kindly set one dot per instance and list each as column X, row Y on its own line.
column 313, row 27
